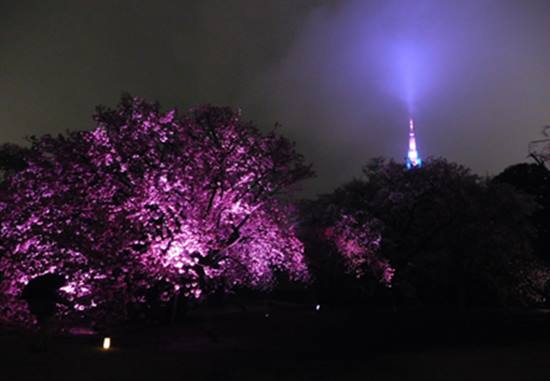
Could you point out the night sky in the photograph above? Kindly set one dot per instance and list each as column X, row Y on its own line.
column 342, row 77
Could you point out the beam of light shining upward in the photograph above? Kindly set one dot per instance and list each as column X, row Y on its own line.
column 413, row 159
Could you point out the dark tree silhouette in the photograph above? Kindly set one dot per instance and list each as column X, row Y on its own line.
column 534, row 180
column 451, row 236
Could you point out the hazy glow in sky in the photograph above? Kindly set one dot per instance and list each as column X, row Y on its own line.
column 341, row 76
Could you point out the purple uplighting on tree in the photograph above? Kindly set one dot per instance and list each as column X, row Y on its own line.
column 185, row 204
column 359, row 246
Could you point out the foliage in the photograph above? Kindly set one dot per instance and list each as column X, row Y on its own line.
column 359, row 246
column 150, row 204
column 533, row 180
column 342, row 247
column 11, row 158
column 451, row 236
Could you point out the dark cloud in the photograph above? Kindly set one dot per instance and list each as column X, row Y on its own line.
column 341, row 76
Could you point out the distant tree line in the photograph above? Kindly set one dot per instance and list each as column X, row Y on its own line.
column 452, row 237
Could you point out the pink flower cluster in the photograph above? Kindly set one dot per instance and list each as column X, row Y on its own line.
column 150, row 200
column 359, row 245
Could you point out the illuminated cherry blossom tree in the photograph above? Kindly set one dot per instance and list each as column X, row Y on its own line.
column 343, row 247
column 359, row 245
column 150, row 203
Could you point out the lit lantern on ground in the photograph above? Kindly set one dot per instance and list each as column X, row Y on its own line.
column 107, row 343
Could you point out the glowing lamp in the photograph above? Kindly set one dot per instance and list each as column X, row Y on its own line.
column 318, row 307
column 106, row 343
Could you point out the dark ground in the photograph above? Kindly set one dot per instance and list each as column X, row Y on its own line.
column 297, row 343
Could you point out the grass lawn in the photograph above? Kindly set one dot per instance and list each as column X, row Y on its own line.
column 299, row 344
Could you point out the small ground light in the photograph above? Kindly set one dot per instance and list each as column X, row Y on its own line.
column 106, row 343
column 318, row 307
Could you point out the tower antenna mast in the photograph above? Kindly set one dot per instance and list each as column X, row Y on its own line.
column 413, row 158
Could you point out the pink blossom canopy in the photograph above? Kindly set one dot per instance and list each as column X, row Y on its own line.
column 150, row 200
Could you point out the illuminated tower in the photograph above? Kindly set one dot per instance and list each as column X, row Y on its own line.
column 413, row 159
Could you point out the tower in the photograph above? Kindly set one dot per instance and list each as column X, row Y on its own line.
column 413, row 159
